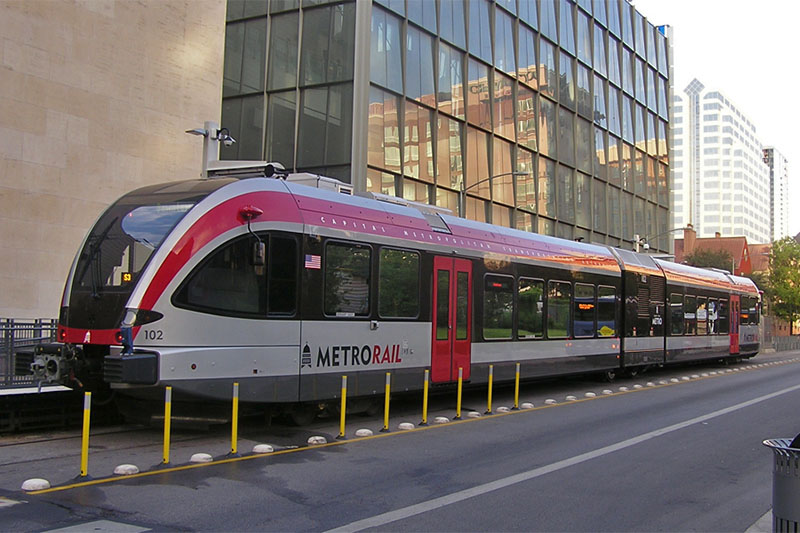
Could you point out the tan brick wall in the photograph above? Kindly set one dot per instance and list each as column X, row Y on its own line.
column 95, row 96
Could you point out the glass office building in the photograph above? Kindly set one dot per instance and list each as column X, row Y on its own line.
column 549, row 116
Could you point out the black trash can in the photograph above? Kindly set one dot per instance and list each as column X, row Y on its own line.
column 785, row 484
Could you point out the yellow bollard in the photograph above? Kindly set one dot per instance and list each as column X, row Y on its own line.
column 87, row 414
column 458, row 400
column 167, row 423
column 516, row 389
column 344, row 408
column 386, row 404
column 235, row 420
column 489, row 399
column 425, row 400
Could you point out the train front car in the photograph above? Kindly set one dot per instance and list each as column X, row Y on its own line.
column 110, row 267
column 749, row 310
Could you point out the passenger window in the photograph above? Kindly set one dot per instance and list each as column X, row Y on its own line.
column 530, row 297
column 702, row 316
column 227, row 283
column 398, row 284
column 722, row 317
column 347, row 279
column 712, row 317
column 559, row 295
column 676, row 313
column 583, row 311
column 498, row 307
column 606, row 311
column 690, row 315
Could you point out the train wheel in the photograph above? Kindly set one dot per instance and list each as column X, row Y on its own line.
column 303, row 414
column 609, row 375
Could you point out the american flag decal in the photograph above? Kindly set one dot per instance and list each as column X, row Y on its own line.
column 314, row 262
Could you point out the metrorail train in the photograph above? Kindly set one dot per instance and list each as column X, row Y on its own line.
column 285, row 282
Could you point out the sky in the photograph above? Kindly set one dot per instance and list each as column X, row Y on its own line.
column 750, row 52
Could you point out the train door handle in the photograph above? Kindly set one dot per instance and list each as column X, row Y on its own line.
column 373, row 325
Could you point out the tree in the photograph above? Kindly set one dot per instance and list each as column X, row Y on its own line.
column 762, row 281
column 784, row 278
column 705, row 258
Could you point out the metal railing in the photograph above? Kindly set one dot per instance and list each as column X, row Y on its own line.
column 17, row 334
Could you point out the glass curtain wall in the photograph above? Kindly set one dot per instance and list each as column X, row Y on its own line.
column 549, row 116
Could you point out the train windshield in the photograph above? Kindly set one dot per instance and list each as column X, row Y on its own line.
column 122, row 241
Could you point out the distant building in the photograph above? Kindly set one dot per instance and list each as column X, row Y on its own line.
column 721, row 183
column 551, row 115
column 736, row 247
column 779, row 192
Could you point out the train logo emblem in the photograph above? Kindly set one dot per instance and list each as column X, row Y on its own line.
column 305, row 359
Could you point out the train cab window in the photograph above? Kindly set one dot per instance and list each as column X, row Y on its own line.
column 347, row 279
column 606, row 311
column 559, row 296
column 498, row 307
column 690, row 315
column 583, row 311
column 227, row 283
column 676, row 313
column 702, row 316
column 722, row 317
column 398, row 284
column 712, row 317
column 530, row 299
column 749, row 314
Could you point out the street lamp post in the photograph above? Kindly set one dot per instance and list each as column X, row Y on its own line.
column 463, row 192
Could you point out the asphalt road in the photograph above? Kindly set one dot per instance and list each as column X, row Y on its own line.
column 677, row 456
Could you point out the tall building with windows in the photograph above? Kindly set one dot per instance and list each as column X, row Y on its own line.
column 549, row 116
column 778, row 192
column 721, row 182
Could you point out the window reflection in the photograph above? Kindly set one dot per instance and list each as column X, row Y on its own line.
column 245, row 43
column 547, row 127
column 502, row 180
column 600, row 115
column 548, row 20
column 526, row 69
column 451, row 82
column 547, row 69
column 567, row 33
column 451, row 22
column 567, row 81
column 614, row 161
column 526, row 185
column 504, row 43
column 419, row 11
column 480, row 43
column 380, row 182
column 478, row 107
column 383, row 145
column 614, row 122
column 419, row 66
column 385, row 55
column 546, row 197
column 418, row 142
column 613, row 17
column 503, row 106
column 600, row 157
column 477, row 162
column 613, row 211
column 566, row 137
column 584, row 96
column 328, row 44
column 280, row 120
column 627, row 167
column 600, row 51
column 283, row 51
column 526, row 118
column 449, row 167
column 583, row 144
column 583, row 200
column 415, row 191
column 613, row 62
column 599, row 201
column 565, row 188
column 584, row 39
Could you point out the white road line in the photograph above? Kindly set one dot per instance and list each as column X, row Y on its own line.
column 436, row 503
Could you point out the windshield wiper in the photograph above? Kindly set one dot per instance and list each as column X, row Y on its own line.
column 93, row 262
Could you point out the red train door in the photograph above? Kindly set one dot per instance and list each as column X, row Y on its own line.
column 734, row 329
column 452, row 318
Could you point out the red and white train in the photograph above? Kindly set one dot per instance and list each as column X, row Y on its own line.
column 284, row 284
